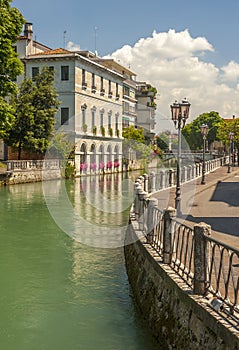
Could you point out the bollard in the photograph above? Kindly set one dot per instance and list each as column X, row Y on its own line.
column 169, row 214
column 152, row 204
column 201, row 256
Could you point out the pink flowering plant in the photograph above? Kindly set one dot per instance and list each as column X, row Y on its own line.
column 93, row 166
column 101, row 165
column 109, row 165
column 83, row 166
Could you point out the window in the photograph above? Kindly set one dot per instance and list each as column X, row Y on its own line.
column 83, row 116
column 116, row 121
column 35, row 72
column 64, row 72
column 117, row 91
column 93, row 80
column 93, row 117
column 101, row 83
column 83, row 76
column 109, row 121
column 101, row 119
column 65, row 116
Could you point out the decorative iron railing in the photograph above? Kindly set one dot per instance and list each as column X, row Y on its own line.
column 208, row 266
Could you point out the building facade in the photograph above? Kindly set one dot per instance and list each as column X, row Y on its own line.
column 98, row 98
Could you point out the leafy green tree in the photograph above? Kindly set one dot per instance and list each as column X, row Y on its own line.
column 61, row 147
column 35, row 106
column 11, row 22
column 225, row 128
column 192, row 131
column 163, row 141
column 130, row 133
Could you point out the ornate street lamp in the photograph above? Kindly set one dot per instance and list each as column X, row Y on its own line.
column 180, row 113
column 204, row 131
column 230, row 136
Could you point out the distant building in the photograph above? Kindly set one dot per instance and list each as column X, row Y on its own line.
column 145, row 108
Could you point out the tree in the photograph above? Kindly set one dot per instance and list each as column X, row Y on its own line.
column 130, row 133
column 134, row 142
column 163, row 141
column 192, row 131
column 225, row 128
column 35, row 106
column 11, row 22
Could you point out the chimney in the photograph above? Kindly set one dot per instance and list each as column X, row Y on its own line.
column 28, row 31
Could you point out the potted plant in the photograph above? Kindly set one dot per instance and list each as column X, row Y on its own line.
column 102, row 131
column 94, row 130
column 110, row 132
column 85, row 127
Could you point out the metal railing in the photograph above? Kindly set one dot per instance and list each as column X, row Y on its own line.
column 166, row 178
column 208, row 266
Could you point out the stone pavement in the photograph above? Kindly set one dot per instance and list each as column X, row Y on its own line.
column 216, row 203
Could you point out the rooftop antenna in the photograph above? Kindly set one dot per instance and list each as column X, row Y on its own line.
column 64, row 39
column 95, row 29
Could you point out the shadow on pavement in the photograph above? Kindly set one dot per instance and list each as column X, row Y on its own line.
column 226, row 225
column 226, row 192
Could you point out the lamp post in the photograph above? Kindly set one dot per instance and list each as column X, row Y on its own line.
column 204, row 131
column 230, row 135
column 180, row 113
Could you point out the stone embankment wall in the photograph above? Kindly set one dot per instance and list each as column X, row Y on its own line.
column 18, row 177
column 24, row 171
column 177, row 318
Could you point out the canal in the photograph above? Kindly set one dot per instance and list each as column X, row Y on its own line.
column 62, row 286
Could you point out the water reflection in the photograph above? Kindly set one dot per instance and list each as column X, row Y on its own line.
column 57, row 293
column 92, row 210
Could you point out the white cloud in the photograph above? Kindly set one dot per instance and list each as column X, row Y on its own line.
column 231, row 71
column 171, row 61
column 72, row 46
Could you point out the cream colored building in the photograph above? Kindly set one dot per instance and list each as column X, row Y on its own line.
column 98, row 97
column 91, row 101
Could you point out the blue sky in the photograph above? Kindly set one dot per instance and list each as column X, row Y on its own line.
column 125, row 30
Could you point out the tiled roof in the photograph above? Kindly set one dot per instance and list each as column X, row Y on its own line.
column 59, row 51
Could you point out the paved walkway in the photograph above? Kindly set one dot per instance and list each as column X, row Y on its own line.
column 216, row 203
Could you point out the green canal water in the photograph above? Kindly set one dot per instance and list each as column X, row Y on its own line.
column 56, row 292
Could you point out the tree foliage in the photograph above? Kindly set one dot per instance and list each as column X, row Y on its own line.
column 192, row 131
column 61, row 146
column 35, row 106
column 130, row 133
column 11, row 22
column 163, row 141
column 225, row 128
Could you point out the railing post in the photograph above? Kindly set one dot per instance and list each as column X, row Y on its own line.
column 152, row 203
column 168, row 215
column 142, row 197
column 137, row 186
column 152, row 181
column 146, row 182
column 201, row 255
